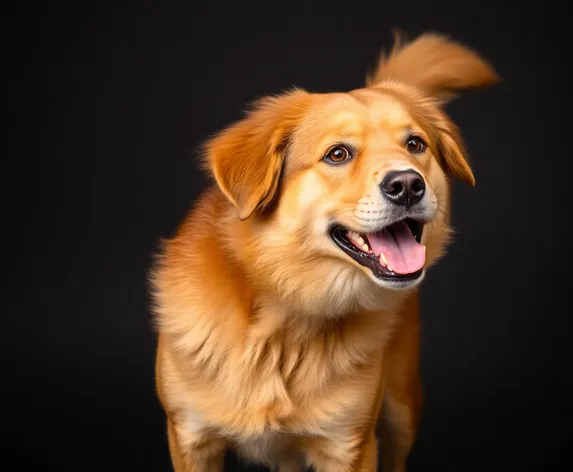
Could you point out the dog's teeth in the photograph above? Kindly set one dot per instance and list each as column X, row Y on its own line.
column 365, row 247
column 383, row 259
column 360, row 240
column 390, row 269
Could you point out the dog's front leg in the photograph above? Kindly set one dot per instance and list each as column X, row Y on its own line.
column 403, row 395
column 194, row 451
column 354, row 454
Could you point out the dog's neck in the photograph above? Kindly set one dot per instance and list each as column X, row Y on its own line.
column 242, row 322
column 302, row 286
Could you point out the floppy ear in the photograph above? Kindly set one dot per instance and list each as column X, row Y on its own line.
column 451, row 151
column 246, row 159
column 435, row 64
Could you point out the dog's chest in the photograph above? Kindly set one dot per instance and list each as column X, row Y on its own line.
column 312, row 390
column 281, row 387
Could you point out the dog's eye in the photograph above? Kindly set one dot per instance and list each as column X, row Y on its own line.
column 416, row 145
column 337, row 155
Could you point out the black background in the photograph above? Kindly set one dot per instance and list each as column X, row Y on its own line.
column 107, row 105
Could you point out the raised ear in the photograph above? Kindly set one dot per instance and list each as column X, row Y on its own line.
column 246, row 158
column 438, row 67
column 435, row 64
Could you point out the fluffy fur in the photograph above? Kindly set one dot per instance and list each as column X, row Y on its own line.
column 271, row 339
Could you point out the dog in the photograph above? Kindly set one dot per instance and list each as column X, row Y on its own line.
column 286, row 304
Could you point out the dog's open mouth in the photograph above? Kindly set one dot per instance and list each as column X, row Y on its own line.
column 392, row 253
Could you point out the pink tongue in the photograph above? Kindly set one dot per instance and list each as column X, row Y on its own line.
column 402, row 252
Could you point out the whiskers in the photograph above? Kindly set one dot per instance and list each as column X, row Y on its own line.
column 362, row 220
column 372, row 215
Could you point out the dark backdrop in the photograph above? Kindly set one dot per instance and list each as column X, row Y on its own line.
column 108, row 105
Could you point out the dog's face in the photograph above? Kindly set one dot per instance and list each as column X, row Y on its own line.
column 364, row 184
column 345, row 195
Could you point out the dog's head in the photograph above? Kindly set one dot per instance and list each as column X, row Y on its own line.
column 346, row 194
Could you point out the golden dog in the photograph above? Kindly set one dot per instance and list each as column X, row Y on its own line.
column 286, row 303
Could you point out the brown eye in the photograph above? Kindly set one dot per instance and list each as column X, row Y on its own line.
column 415, row 145
column 337, row 155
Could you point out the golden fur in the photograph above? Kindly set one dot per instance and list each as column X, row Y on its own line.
column 271, row 339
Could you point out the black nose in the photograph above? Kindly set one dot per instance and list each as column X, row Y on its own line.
column 404, row 187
